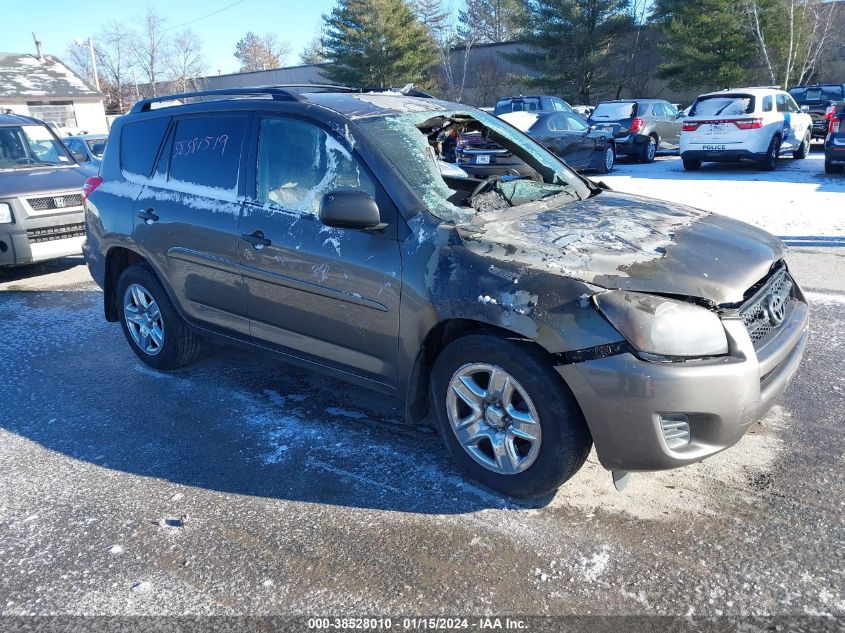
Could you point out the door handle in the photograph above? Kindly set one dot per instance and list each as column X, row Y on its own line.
column 257, row 239
column 149, row 216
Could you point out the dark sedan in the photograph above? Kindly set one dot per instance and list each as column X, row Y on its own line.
column 566, row 134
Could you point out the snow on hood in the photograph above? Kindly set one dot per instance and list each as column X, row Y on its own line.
column 521, row 120
column 619, row 241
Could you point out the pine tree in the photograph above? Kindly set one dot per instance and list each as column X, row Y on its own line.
column 570, row 44
column 377, row 43
column 707, row 45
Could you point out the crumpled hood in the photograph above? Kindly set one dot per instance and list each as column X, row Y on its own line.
column 622, row 241
column 25, row 182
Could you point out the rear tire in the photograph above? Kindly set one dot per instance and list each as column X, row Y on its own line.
column 804, row 149
column 649, row 150
column 154, row 329
column 770, row 162
column 608, row 159
column 692, row 164
column 547, row 414
column 830, row 168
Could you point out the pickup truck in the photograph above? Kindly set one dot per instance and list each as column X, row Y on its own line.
column 820, row 101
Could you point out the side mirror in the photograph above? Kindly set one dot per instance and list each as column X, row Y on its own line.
column 350, row 210
column 79, row 157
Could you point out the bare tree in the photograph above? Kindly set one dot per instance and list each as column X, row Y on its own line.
column 186, row 61
column 79, row 60
column 150, row 47
column 790, row 36
column 261, row 53
column 313, row 52
column 115, row 59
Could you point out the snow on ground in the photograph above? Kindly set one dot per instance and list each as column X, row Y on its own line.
column 797, row 201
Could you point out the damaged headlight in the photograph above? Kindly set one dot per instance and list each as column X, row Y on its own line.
column 663, row 327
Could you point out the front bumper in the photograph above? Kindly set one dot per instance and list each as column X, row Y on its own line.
column 20, row 246
column 622, row 397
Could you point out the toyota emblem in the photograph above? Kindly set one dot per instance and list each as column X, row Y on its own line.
column 776, row 308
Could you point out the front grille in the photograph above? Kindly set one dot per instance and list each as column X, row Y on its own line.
column 51, row 233
column 756, row 312
column 48, row 203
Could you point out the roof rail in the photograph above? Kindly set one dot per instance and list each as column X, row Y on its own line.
column 282, row 92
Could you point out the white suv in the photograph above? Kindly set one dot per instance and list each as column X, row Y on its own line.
column 756, row 124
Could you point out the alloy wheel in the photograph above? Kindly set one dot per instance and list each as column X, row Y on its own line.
column 493, row 418
column 609, row 158
column 143, row 319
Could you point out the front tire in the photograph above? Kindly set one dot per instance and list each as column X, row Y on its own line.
column 506, row 417
column 804, row 149
column 154, row 329
column 770, row 162
column 608, row 159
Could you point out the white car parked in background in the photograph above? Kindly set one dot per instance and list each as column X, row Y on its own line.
column 758, row 124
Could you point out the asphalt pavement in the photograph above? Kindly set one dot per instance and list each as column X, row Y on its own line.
column 239, row 485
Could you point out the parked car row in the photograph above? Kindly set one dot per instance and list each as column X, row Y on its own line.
column 759, row 124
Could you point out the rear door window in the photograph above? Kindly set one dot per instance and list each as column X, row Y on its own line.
column 206, row 151
column 717, row 105
column 767, row 103
column 783, row 106
column 139, row 145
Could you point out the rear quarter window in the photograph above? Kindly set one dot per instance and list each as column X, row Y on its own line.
column 139, row 145
column 717, row 105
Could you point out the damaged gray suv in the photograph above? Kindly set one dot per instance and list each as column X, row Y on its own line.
column 531, row 316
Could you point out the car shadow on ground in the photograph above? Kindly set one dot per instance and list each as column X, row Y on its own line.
column 234, row 421
column 40, row 269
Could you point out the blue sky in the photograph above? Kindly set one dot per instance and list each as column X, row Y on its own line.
column 58, row 22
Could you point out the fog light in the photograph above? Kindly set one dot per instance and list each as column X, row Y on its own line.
column 675, row 427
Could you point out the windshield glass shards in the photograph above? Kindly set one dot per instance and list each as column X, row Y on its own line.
column 418, row 143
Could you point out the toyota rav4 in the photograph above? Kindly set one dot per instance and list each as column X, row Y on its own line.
column 532, row 316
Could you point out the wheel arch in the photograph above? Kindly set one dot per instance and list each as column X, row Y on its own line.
column 118, row 259
column 438, row 337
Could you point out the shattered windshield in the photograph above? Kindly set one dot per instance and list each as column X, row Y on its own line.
column 416, row 143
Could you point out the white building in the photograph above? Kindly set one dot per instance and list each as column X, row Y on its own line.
column 46, row 89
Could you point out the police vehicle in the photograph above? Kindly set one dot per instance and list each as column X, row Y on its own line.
column 757, row 124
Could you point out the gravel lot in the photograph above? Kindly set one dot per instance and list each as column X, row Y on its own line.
column 242, row 486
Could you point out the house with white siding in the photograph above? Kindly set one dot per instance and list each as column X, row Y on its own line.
column 45, row 88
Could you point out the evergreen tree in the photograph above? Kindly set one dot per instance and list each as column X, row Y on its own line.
column 377, row 43
column 707, row 43
column 570, row 44
column 490, row 21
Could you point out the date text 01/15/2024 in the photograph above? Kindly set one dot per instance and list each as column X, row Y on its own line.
column 418, row 624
